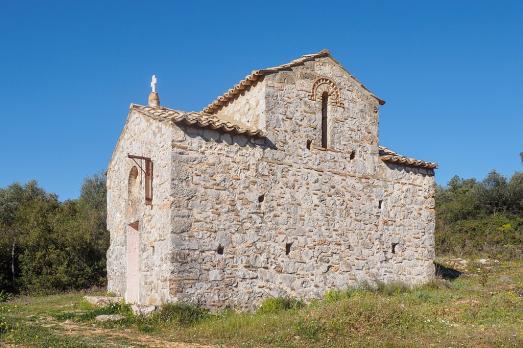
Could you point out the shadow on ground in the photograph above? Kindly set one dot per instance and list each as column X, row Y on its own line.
column 446, row 273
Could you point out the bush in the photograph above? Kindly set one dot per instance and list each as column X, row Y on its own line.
column 4, row 326
column 278, row 304
column 334, row 296
column 4, row 296
column 393, row 288
column 182, row 313
column 481, row 218
column 494, row 236
column 309, row 328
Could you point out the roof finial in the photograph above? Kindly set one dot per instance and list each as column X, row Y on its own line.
column 154, row 82
column 154, row 98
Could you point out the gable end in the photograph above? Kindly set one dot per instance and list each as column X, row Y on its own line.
column 258, row 75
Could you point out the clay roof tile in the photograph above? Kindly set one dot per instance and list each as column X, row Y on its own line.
column 387, row 155
column 198, row 119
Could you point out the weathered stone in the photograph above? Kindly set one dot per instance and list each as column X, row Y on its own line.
column 215, row 275
column 102, row 300
column 329, row 217
column 109, row 317
column 142, row 310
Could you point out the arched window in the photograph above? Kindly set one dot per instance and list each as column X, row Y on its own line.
column 148, row 181
column 325, row 90
column 324, row 120
column 133, row 196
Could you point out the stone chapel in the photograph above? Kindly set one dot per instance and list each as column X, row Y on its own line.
column 279, row 187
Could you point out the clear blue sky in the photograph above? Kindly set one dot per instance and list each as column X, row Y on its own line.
column 450, row 71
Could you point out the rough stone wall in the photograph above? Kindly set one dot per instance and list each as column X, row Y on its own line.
column 292, row 118
column 407, row 220
column 259, row 200
column 143, row 137
column 249, row 109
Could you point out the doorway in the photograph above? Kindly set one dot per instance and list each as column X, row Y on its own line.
column 132, row 231
column 132, row 289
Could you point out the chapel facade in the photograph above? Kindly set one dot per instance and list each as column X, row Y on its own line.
column 277, row 188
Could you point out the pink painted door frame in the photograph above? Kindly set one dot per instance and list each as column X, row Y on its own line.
column 132, row 290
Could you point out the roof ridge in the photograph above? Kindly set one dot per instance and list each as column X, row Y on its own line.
column 257, row 75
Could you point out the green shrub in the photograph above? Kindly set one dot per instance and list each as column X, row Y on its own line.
column 309, row 328
column 392, row 288
column 334, row 296
column 487, row 236
column 182, row 313
column 278, row 304
column 4, row 326
column 481, row 218
column 4, row 296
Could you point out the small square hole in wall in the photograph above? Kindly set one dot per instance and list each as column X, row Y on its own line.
column 380, row 202
column 219, row 250
column 309, row 144
column 288, row 248
column 393, row 247
column 261, row 198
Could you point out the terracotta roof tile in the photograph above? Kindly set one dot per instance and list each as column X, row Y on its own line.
column 388, row 155
column 197, row 119
column 258, row 75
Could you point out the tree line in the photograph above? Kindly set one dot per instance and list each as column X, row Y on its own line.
column 47, row 245
column 482, row 218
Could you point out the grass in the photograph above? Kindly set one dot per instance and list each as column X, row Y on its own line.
column 480, row 308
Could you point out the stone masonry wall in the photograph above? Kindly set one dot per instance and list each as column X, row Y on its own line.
column 253, row 219
column 249, row 109
column 407, row 219
column 149, row 138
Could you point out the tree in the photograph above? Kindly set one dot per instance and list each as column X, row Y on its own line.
column 493, row 194
column 12, row 199
column 47, row 245
column 515, row 193
column 458, row 200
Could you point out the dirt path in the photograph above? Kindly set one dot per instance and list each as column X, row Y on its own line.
column 74, row 329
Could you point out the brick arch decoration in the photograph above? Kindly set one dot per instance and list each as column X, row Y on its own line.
column 322, row 85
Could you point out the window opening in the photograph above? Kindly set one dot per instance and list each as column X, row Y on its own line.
column 133, row 198
column 148, row 182
column 324, row 124
column 148, row 171
column 288, row 248
column 394, row 245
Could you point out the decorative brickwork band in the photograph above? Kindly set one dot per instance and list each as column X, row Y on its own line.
column 322, row 85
